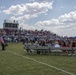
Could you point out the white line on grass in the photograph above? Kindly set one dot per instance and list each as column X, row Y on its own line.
column 42, row 63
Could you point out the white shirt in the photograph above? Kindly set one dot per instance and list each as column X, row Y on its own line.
column 56, row 45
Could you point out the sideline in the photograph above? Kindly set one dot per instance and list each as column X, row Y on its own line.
column 42, row 63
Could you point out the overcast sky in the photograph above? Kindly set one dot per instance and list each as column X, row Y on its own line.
column 58, row 16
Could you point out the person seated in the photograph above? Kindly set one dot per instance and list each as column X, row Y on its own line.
column 56, row 44
column 43, row 42
column 36, row 43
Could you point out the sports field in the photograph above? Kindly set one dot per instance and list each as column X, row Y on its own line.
column 15, row 61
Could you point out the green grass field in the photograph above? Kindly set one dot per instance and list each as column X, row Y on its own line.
column 15, row 61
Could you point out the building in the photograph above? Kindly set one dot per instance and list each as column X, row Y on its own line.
column 11, row 25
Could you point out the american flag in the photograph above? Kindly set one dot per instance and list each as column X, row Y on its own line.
column 1, row 40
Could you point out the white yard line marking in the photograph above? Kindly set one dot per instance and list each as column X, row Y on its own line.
column 42, row 63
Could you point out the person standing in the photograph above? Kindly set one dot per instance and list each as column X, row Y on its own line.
column 2, row 40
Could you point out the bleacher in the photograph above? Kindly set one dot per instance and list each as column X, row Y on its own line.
column 49, row 49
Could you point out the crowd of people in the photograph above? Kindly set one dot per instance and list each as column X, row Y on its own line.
column 41, row 37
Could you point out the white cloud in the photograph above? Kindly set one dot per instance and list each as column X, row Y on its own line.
column 14, row 10
column 40, row 0
column 68, row 18
column 26, row 26
column 29, row 8
column 25, row 12
column 65, row 24
column 24, row 17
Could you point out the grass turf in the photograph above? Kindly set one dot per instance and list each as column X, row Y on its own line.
column 12, row 64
